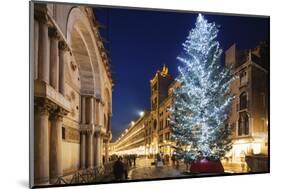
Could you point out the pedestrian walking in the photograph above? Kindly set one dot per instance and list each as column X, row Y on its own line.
column 126, row 166
column 134, row 159
column 130, row 160
column 118, row 169
column 173, row 159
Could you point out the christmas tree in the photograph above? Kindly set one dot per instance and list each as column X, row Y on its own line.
column 202, row 102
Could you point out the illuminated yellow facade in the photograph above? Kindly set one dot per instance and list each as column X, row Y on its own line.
column 249, row 111
column 131, row 140
column 150, row 134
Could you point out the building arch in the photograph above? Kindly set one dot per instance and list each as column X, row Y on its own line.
column 81, row 39
column 243, row 100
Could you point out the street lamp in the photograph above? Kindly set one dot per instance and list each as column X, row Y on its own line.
column 141, row 113
column 132, row 123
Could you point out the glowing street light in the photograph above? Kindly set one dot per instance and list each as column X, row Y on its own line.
column 132, row 123
column 141, row 113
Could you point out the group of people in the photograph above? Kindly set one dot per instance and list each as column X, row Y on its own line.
column 122, row 165
column 165, row 159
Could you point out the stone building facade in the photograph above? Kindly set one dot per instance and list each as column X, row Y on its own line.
column 72, row 87
column 249, row 110
column 132, row 140
column 151, row 131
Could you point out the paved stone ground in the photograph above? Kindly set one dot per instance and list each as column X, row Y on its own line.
column 144, row 170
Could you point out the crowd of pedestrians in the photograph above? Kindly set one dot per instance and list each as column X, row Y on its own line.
column 122, row 166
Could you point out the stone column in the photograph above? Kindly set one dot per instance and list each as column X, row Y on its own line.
column 97, row 143
column 83, row 150
column 97, row 150
column 97, row 111
column 43, row 50
column 41, row 145
column 91, row 110
column 54, row 58
column 83, row 109
column 56, row 169
column 35, row 49
column 89, row 149
column 62, row 50
column 109, row 123
column 101, row 151
column 106, row 151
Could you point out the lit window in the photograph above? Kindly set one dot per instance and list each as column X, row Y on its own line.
column 243, row 124
column 243, row 78
column 243, row 101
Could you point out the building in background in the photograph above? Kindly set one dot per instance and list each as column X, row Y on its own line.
column 151, row 131
column 72, row 92
column 131, row 140
column 249, row 110
column 248, row 115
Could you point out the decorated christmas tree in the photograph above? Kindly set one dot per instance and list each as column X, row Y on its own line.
column 202, row 102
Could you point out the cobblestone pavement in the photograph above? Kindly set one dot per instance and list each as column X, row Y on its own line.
column 144, row 170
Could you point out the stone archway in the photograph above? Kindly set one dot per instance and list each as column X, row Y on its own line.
column 81, row 40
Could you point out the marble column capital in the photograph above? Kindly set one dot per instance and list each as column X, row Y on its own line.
column 63, row 46
column 107, row 137
column 43, row 106
column 43, row 110
column 99, row 130
column 58, row 114
column 53, row 33
column 40, row 14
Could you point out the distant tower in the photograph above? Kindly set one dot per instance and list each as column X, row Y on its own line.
column 159, row 92
column 159, row 87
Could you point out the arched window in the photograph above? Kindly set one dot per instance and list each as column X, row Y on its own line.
column 243, row 124
column 155, row 124
column 243, row 101
column 243, row 77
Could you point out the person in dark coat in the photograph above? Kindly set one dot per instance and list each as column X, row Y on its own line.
column 134, row 159
column 118, row 169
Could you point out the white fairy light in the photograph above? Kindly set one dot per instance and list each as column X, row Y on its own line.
column 202, row 102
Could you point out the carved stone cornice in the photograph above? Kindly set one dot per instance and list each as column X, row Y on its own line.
column 44, row 93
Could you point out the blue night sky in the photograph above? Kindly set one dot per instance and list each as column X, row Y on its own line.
column 141, row 41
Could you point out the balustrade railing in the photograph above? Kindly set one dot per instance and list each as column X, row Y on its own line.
column 90, row 175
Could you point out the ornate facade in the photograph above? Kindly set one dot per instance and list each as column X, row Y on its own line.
column 72, row 91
